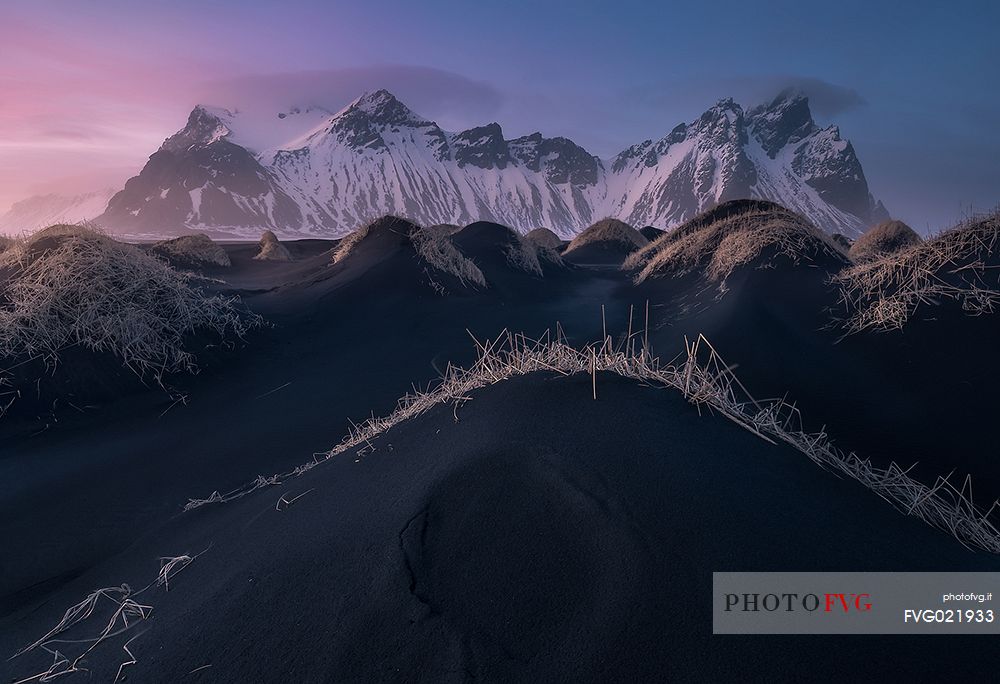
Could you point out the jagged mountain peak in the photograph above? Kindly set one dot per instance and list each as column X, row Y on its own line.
column 562, row 159
column 383, row 108
column 205, row 125
column 726, row 104
column 786, row 119
column 313, row 173
column 483, row 147
column 365, row 123
column 725, row 112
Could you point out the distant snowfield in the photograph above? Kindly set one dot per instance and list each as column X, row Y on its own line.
column 42, row 211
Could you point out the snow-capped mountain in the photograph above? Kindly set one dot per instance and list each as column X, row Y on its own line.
column 310, row 172
column 41, row 211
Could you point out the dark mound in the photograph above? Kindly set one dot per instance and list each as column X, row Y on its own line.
column 651, row 233
column 845, row 243
column 377, row 240
column 271, row 249
column 730, row 209
column 192, row 251
column 885, row 238
column 734, row 236
column 574, row 540
column 510, row 262
column 896, row 391
column 392, row 252
column 543, row 237
column 608, row 241
column 443, row 228
column 85, row 318
column 899, row 274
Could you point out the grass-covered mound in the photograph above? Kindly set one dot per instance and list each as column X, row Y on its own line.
column 391, row 237
column 605, row 242
column 885, row 238
column 502, row 251
column 192, row 251
column 271, row 249
column 962, row 266
column 74, row 288
column 731, row 236
column 543, row 237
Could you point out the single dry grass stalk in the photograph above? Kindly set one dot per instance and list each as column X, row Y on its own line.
column 961, row 264
column 115, row 611
column 705, row 380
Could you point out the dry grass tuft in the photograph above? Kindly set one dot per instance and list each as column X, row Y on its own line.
column 433, row 246
column 705, row 380
column 350, row 242
column 885, row 238
column 524, row 255
column 609, row 230
column 543, row 237
column 438, row 251
column 271, row 249
column 192, row 251
column 80, row 287
column 961, row 264
column 718, row 247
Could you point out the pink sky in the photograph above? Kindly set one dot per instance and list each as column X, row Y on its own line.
column 75, row 114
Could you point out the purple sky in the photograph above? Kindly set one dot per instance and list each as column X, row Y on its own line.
column 91, row 88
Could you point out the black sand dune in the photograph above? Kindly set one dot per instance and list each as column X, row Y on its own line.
column 197, row 251
column 513, row 265
column 606, row 242
column 87, row 319
column 544, row 237
column 572, row 541
column 903, row 395
column 651, row 232
column 885, row 238
column 339, row 343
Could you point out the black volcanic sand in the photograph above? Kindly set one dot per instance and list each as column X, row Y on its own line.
column 600, row 252
column 571, row 541
column 599, row 514
column 343, row 341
